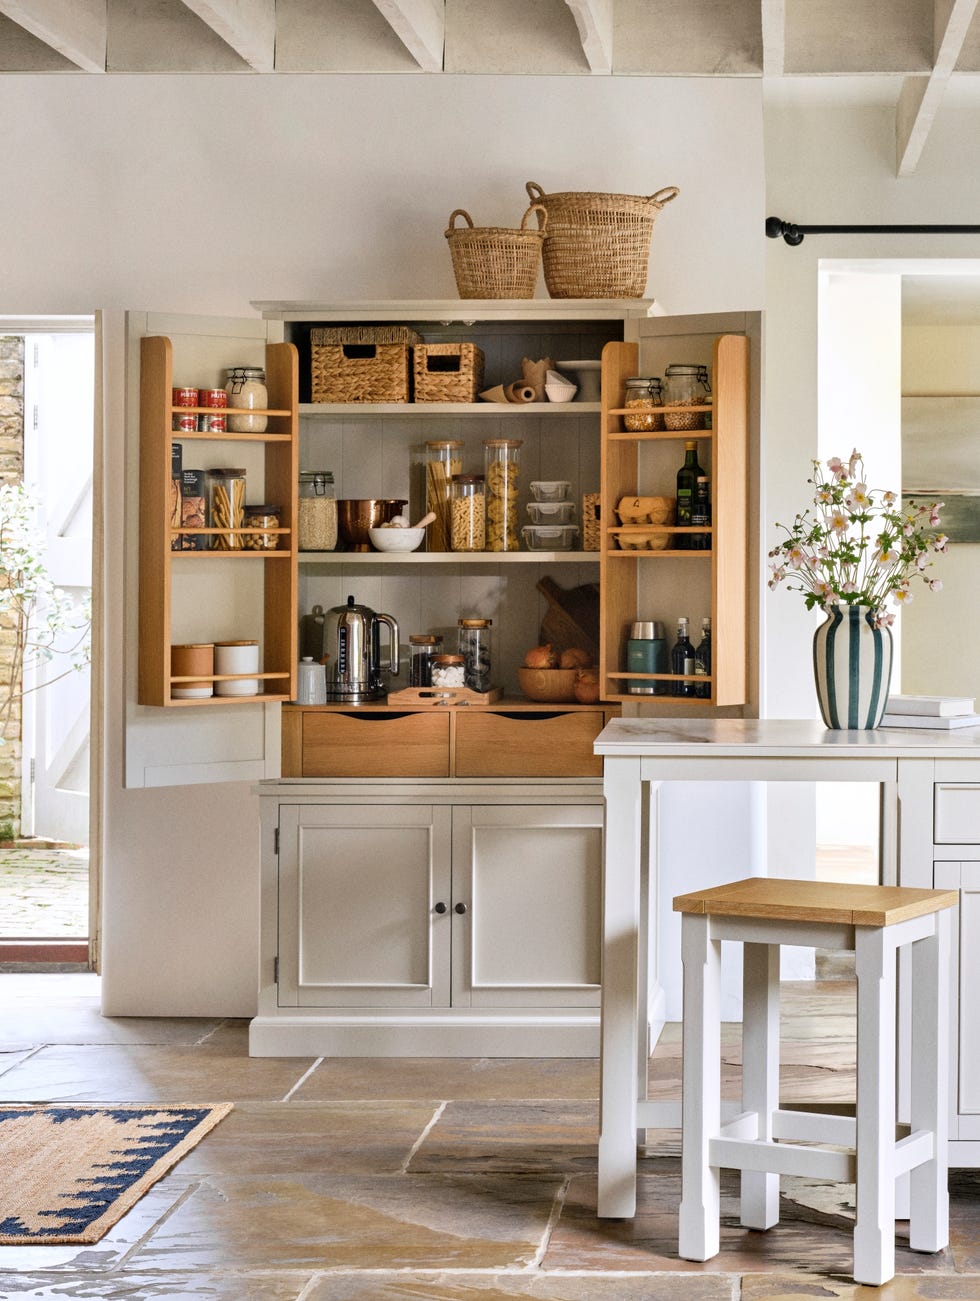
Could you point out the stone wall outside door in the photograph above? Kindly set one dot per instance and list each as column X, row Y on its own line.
column 11, row 471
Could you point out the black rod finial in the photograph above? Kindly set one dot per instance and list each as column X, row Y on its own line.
column 775, row 227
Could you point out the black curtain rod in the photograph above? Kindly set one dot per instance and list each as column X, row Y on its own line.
column 793, row 234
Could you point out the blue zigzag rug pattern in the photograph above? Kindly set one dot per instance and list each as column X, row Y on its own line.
column 71, row 1171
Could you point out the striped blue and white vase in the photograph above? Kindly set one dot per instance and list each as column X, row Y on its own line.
column 852, row 663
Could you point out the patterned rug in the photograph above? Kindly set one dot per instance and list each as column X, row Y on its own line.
column 70, row 1172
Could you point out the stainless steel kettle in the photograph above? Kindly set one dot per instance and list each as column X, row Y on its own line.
column 352, row 643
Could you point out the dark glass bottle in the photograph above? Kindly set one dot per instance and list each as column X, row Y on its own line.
column 682, row 660
column 701, row 514
column 687, row 478
column 702, row 662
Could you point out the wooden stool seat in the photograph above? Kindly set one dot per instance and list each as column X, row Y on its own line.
column 764, row 1141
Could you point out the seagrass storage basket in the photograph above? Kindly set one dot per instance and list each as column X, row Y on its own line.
column 368, row 363
column 494, row 261
column 590, row 521
column 598, row 245
column 447, row 372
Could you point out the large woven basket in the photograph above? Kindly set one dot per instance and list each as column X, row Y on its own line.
column 598, row 245
column 368, row 363
column 494, row 261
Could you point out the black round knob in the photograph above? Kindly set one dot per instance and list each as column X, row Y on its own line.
column 461, row 908
column 441, row 907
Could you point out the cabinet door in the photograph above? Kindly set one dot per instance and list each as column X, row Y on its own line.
column 529, row 881
column 965, row 877
column 358, row 893
column 206, row 744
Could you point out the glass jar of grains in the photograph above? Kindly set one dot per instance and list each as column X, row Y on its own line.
column 503, row 482
column 247, row 392
column 262, row 519
column 468, row 513
column 317, row 511
column 442, row 463
column 643, row 393
column 685, row 385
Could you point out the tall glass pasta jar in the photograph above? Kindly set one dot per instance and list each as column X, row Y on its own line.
column 226, row 507
column 503, row 482
column 442, row 463
column 468, row 510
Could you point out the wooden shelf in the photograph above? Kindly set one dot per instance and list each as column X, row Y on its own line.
column 278, row 613
column 484, row 410
column 386, row 558
column 631, row 592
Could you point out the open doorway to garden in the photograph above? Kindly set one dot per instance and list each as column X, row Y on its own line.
column 47, row 373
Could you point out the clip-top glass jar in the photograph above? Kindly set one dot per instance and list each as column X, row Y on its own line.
column 247, row 392
column 468, row 513
column 643, row 393
column 685, row 385
column 503, row 482
column 226, row 507
column 317, row 511
column 425, row 646
column 263, row 519
column 473, row 636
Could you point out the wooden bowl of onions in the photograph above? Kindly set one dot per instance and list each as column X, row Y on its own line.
column 551, row 686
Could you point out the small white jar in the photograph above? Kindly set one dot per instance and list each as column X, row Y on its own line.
column 448, row 671
column 247, row 391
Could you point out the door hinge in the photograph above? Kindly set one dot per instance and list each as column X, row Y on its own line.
column 33, row 771
column 275, row 841
column 35, row 418
column 275, row 970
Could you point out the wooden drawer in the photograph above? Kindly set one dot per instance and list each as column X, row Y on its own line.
column 375, row 745
column 516, row 744
column 957, row 813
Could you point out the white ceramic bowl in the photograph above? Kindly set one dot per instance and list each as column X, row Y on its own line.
column 560, row 391
column 396, row 539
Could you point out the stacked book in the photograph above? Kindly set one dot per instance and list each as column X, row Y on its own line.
column 941, row 713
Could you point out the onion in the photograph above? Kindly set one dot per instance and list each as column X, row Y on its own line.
column 541, row 657
column 586, row 686
column 574, row 658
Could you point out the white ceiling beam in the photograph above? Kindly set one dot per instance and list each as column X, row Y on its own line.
column 920, row 97
column 420, row 25
column 247, row 26
column 76, row 30
column 773, row 38
column 594, row 20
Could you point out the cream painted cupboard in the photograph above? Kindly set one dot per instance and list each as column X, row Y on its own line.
column 430, row 918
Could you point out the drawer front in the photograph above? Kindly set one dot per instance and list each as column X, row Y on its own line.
column 957, row 813
column 527, row 745
column 376, row 745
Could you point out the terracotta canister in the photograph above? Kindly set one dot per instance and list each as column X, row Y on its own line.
column 185, row 662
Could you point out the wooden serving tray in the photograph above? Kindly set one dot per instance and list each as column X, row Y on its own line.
column 444, row 696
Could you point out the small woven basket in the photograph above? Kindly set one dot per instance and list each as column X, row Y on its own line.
column 447, row 372
column 598, row 245
column 591, row 527
column 493, row 261
column 367, row 363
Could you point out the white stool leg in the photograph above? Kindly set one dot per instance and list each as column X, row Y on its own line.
column 929, row 1201
column 874, row 1229
column 699, row 1212
column 760, row 1074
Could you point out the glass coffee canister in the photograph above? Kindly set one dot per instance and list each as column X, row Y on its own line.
column 425, row 646
column 503, row 483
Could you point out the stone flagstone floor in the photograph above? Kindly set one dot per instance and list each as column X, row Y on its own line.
column 44, row 892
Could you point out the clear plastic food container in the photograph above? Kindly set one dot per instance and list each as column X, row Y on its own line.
column 551, row 512
column 549, row 537
column 550, row 489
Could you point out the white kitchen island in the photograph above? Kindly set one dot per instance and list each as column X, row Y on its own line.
column 930, row 782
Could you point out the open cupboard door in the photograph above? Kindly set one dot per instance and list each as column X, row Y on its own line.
column 196, row 593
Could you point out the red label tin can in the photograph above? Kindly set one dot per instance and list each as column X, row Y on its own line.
column 186, row 424
column 184, row 397
column 214, row 423
column 213, row 397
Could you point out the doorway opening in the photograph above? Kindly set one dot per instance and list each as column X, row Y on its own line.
column 47, row 377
